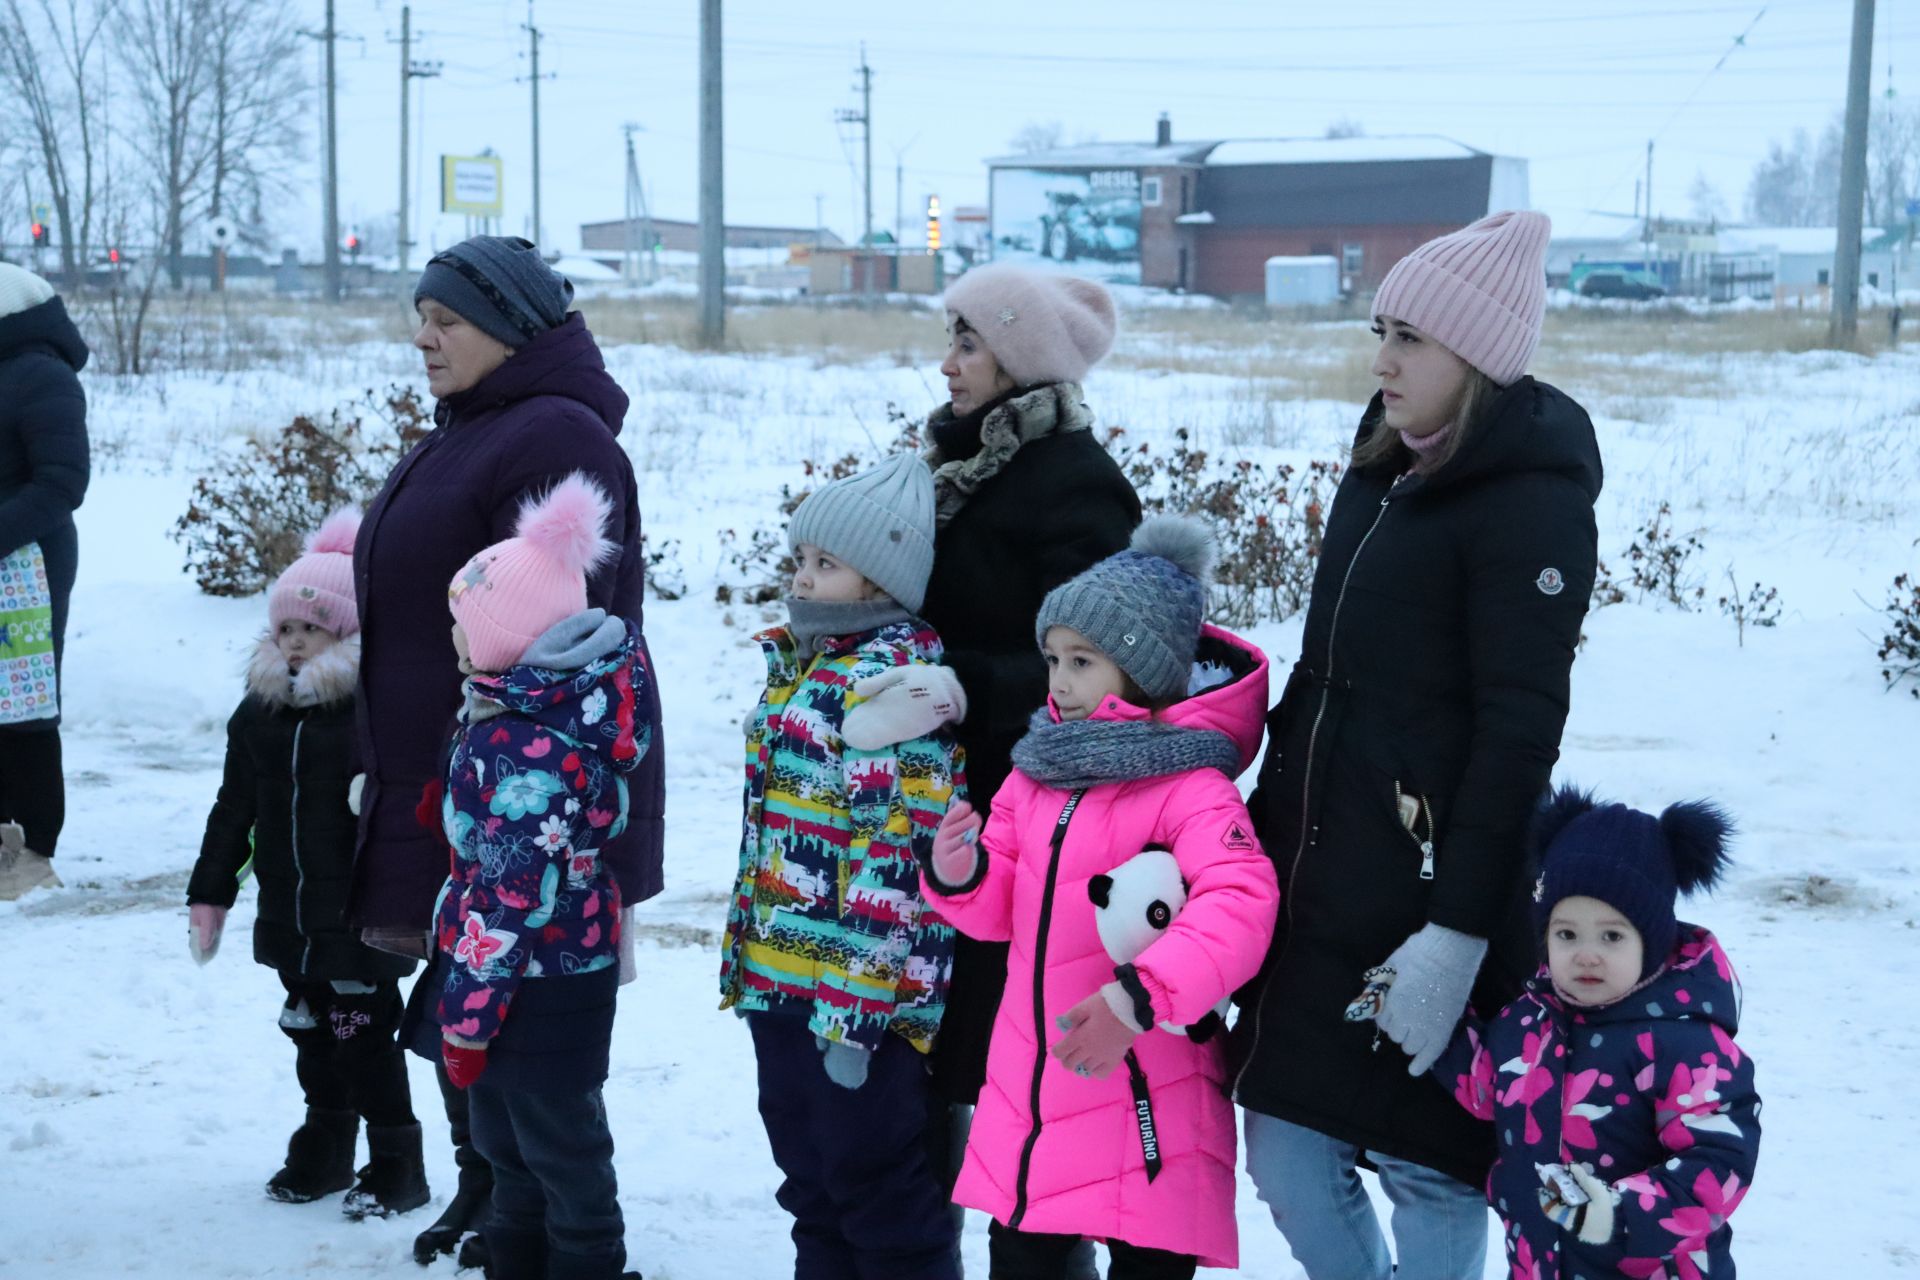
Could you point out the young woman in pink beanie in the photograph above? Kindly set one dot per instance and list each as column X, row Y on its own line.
column 1026, row 497
column 1419, row 726
column 283, row 808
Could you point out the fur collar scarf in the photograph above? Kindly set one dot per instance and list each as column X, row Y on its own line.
column 1046, row 410
column 322, row 681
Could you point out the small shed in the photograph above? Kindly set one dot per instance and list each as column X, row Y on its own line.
column 1311, row 281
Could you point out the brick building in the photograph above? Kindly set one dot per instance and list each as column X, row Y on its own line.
column 1205, row 216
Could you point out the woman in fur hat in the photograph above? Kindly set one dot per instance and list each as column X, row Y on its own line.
column 1026, row 497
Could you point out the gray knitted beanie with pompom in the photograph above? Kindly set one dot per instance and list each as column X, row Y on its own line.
column 1142, row 607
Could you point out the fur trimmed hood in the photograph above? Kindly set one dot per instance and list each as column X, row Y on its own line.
column 325, row 679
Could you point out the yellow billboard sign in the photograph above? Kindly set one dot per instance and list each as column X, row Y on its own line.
column 471, row 185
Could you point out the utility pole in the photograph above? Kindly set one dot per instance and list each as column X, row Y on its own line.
column 533, row 52
column 333, row 175
column 409, row 72
column 713, row 225
column 1845, row 325
column 637, row 230
column 819, row 219
column 1649, row 231
column 864, row 118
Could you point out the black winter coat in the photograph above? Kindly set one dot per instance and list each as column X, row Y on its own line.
column 1057, row 506
column 285, row 786
column 43, row 451
column 1434, row 665
column 551, row 409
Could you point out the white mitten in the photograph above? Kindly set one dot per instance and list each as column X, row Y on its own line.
column 903, row 703
column 1590, row 1219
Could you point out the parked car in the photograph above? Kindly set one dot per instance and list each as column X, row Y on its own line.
column 1612, row 284
column 1074, row 227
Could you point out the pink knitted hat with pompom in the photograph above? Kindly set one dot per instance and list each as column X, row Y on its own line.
column 507, row 596
column 1480, row 292
column 318, row 587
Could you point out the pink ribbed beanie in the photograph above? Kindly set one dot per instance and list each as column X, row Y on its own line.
column 507, row 596
column 318, row 587
column 1481, row 292
column 1042, row 326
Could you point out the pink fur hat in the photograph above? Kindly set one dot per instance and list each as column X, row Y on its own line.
column 1042, row 326
column 507, row 596
column 1480, row 292
column 318, row 587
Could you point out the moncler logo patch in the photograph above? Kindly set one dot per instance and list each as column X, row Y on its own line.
column 1550, row 582
column 1238, row 838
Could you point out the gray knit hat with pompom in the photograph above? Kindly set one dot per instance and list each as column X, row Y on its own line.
column 1142, row 607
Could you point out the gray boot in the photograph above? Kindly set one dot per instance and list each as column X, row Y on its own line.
column 21, row 869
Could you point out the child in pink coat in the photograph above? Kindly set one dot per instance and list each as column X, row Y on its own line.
column 1102, row 1116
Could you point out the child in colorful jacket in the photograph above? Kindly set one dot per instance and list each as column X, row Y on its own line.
column 831, row 953
column 284, row 808
column 528, row 925
column 1628, row 1121
column 1149, row 719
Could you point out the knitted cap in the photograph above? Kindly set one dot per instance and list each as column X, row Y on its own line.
column 880, row 522
column 318, row 587
column 20, row 289
column 1632, row 861
column 1480, row 292
column 1142, row 607
column 1042, row 326
column 498, row 284
column 507, row 596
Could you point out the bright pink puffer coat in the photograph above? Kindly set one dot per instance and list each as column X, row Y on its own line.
column 1078, row 1166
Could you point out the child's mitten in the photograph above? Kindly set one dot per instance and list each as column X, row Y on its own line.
column 846, row 1063
column 1589, row 1219
column 955, row 861
column 901, row 704
column 465, row 1059
column 205, row 923
column 1434, row 972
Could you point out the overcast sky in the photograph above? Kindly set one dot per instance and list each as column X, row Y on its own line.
column 1576, row 87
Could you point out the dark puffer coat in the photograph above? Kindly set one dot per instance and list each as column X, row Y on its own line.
column 283, row 803
column 550, row 410
column 1434, row 668
column 43, row 451
column 1057, row 506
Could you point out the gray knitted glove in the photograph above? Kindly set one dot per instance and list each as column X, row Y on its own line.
column 846, row 1063
column 1435, row 969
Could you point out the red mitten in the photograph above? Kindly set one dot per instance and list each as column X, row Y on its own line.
column 465, row 1060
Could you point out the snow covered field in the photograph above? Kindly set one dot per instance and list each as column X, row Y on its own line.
column 144, row 1101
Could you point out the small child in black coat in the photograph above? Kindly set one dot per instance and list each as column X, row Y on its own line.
column 284, row 807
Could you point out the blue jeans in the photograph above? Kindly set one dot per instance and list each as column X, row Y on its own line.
column 553, row 1180
column 1313, row 1190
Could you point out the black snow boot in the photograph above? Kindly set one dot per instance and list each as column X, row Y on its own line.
column 462, row 1214
column 572, row 1266
column 473, row 1252
column 514, row 1255
column 396, row 1178
column 319, row 1157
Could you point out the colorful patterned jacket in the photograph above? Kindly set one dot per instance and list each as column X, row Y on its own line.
column 827, row 913
column 536, row 786
column 1650, row 1093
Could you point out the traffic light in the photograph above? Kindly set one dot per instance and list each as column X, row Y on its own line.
column 113, row 257
column 353, row 246
column 39, row 234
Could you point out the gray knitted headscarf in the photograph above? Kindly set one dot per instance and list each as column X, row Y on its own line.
column 1142, row 607
column 500, row 285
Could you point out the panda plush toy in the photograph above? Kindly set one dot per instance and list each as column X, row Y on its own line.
column 1132, row 906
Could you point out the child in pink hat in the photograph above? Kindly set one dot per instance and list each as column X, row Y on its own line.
column 283, row 807
column 528, row 926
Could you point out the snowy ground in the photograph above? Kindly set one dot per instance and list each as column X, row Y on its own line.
column 144, row 1101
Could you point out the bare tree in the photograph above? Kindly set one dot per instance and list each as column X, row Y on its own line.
column 1798, row 183
column 165, row 46
column 1705, row 198
column 48, row 61
column 1038, row 135
column 1893, row 163
column 257, row 102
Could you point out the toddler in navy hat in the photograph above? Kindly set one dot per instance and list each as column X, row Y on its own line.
column 1628, row 1120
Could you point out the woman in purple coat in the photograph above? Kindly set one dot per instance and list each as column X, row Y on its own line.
column 524, row 399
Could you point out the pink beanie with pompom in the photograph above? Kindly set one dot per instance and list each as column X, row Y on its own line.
column 318, row 587
column 508, row 595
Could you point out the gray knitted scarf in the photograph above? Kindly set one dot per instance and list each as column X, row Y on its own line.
column 812, row 621
column 1085, row 753
column 1052, row 409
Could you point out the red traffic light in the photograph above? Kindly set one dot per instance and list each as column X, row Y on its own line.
column 39, row 232
column 113, row 256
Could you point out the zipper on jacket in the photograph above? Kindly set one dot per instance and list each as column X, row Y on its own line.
column 299, row 872
column 1306, row 776
column 1426, row 846
column 1040, row 1006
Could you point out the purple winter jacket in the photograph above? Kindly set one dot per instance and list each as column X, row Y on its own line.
column 550, row 409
